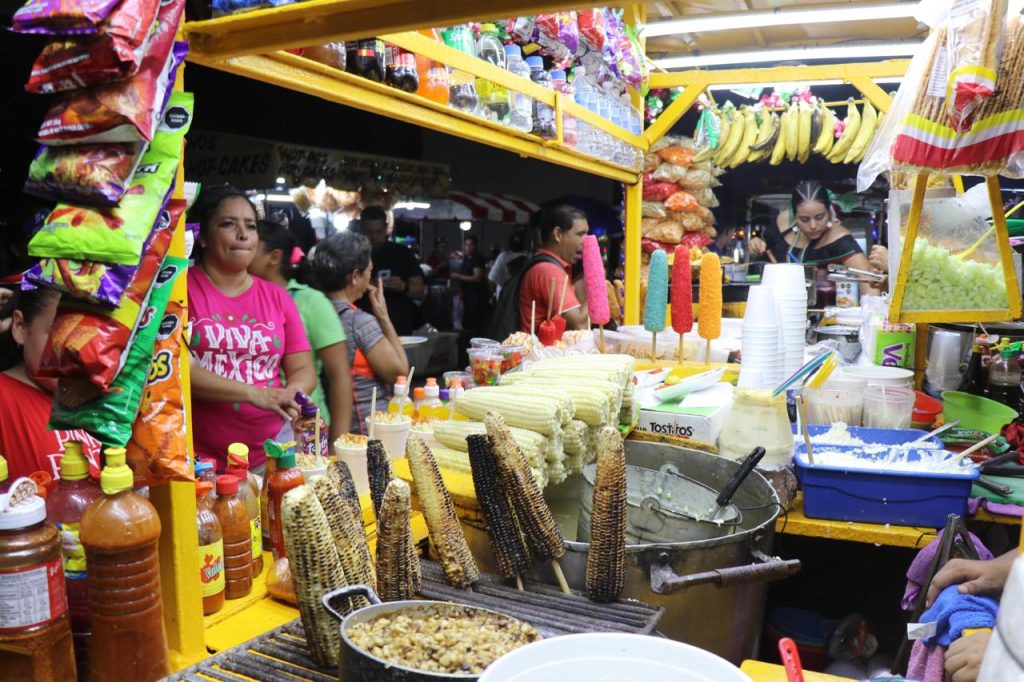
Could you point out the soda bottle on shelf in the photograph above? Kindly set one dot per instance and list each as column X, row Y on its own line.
column 285, row 477
column 543, row 115
column 368, row 60
column 231, row 511
column 521, row 109
column 35, row 631
column 973, row 380
column 494, row 98
column 433, row 76
column 64, row 509
column 251, row 498
column 120, row 530
column 462, row 93
column 563, row 86
column 400, row 69
column 211, row 551
column 1004, row 377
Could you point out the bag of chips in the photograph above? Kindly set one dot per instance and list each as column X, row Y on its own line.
column 99, row 283
column 92, row 174
column 108, row 416
column 116, row 235
column 653, row 209
column 126, row 111
column 87, row 342
column 158, row 449
column 61, row 16
column 113, row 54
column 679, row 156
column 659, row 191
column 593, row 29
column 681, row 201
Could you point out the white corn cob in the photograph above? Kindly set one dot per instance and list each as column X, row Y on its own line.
column 316, row 569
column 535, row 413
column 349, row 537
column 450, row 459
column 590, row 404
column 610, row 391
column 575, row 438
column 398, row 568
column 606, row 558
column 536, row 447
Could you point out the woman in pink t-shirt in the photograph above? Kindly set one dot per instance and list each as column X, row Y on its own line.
column 244, row 331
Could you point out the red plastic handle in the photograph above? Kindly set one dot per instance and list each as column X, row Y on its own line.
column 791, row 659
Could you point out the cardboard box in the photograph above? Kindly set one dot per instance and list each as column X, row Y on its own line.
column 696, row 423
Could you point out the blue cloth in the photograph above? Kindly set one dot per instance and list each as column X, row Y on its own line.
column 953, row 613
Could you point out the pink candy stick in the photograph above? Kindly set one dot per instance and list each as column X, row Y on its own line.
column 593, row 279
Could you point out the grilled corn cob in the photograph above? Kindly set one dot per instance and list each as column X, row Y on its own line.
column 378, row 471
column 606, row 559
column 536, row 447
column 541, row 413
column 439, row 512
column 341, row 476
column 511, row 555
column 316, row 569
column 398, row 569
column 532, row 512
column 349, row 537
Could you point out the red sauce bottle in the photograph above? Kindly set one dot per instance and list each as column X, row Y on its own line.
column 211, row 551
column 249, row 489
column 234, row 524
column 285, row 477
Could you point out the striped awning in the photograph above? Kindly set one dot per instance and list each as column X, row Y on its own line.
column 502, row 208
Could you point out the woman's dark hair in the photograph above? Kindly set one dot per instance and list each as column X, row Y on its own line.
column 31, row 303
column 810, row 190
column 205, row 207
column 337, row 257
column 561, row 216
column 276, row 237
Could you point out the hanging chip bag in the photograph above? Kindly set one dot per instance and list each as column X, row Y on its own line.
column 61, row 16
column 109, row 416
column 116, row 235
column 158, row 450
column 91, row 174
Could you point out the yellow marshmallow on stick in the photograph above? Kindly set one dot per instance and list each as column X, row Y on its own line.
column 709, row 308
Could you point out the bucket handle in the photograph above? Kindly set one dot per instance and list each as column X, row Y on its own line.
column 665, row 581
column 348, row 591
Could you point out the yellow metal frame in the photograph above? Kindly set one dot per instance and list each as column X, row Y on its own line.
column 1002, row 237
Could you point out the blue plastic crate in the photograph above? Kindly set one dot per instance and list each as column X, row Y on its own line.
column 903, row 498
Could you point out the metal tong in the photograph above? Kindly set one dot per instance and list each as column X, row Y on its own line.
column 839, row 273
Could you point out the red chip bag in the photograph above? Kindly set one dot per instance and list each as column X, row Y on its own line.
column 659, row 191
column 113, row 54
column 158, row 451
column 681, row 201
column 593, row 28
column 679, row 156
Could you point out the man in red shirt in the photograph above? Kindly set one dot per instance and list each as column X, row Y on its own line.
column 562, row 229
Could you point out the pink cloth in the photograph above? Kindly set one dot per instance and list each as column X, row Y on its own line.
column 919, row 567
column 243, row 338
column 927, row 663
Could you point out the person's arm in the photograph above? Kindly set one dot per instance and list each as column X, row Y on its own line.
column 974, row 577
column 387, row 357
column 860, row 262
column 339, row 387
column 298, row 372
column 416, row 288
column 577, row 317
column 216, row 389
column 477, row 276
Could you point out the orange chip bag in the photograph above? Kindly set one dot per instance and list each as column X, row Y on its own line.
column 681, row 201
column 158, row 451
column 679, row 156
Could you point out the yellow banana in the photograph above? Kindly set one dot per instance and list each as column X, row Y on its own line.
column 864, row 133
column 845, row 141
column 732, row 143
column 827, row 135
column 803, row 136
column 766, row 135
column 779, row 150
column 790, row 125
column 878, row 126
column 749, row 135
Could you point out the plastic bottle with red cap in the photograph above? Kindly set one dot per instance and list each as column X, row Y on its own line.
column 211, row 551
column 234, row 523
column 249, row 491
column 285, row 477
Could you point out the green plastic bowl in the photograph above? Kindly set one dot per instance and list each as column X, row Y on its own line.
column 975, row 412
column 1015, row 226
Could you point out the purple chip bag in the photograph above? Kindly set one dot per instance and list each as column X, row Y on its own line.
column 61, row 17
column 92, row 174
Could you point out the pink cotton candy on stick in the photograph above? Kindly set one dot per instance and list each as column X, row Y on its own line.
column 682, row 291
column 593, row 280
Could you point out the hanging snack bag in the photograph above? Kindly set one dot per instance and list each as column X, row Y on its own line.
column 114, row 53
column 158, row 450
column 91, row 174
column 116, row 235
column 593, row 29
column 108, row 416
column 126, row 111
column 99, row 283
column 61, row 17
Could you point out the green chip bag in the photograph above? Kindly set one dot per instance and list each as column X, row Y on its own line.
column 117, row 235
column 109, row 416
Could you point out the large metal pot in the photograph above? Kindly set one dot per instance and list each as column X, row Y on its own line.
column 359, row 665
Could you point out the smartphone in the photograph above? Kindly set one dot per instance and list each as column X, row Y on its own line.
column 384, row 274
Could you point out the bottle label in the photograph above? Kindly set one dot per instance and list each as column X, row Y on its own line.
column 32, row 596
column 72, row 551
column 256, row 531
column 211, row 568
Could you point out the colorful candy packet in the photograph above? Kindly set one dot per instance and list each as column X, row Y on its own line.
column 108, row 416
column 113, row 54
column 158, row 449
column 87, row 342
column 92, row 174
column 126, row 111
column 61, row 17
column 98, row 283
column 116, row 235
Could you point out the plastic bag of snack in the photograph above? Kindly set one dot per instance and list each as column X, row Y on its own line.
column 668, row 231
column 158, row 450
column 558, row 36
column 651, row 162
column 116, row 235
column 91, row 174
column 659, row 191
column 976, row 30
column 521, row 29
column 695, row 179
column 705, row 215
column 653, row 209
column 629, row 61
column 102, row 284
column 705, row 197
column 691, row 222
column 593, row 28
column 676, row 155
column 86, row 342
column 61, row 17
column 113, row 54
column 279, row 582
column 108, row 415
column 681, row 201
column 669, row 172
column 126, row 111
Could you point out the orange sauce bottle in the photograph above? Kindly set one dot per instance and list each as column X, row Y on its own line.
column 285, row 477
column 211, row 551
column 249, row 489
column 234, row 523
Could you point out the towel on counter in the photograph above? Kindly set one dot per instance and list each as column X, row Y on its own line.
column 927, row 663
column 918, row 570
column 953, row 613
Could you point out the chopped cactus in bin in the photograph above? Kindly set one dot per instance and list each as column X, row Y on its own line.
column 940, row 281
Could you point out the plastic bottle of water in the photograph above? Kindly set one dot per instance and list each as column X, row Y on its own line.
column 494, row 98
column 543, row 115
column 521, row 112
column 586, row 97
column 569, row 130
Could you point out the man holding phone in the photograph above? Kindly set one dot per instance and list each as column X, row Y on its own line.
column 398, row 269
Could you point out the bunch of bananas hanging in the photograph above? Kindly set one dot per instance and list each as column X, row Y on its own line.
column 747, row 135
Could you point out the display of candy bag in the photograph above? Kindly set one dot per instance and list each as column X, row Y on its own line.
column 99, row 283
column 593, row 28
column 126, row 111
column 637, row 54
column 108, row 416
column 158, row 449
column 521, row 29
column 113, row 54
column 116, row 235
column 61, row 17
column 92, row 174
column 559, row 37
column 612, row 47
column 629, row 64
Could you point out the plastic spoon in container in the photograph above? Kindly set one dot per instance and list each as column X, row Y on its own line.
column 791, row 660
column 740, row 475
column 935, row 432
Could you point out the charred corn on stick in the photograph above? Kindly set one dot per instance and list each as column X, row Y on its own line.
column 378, row 472
column 316, row 569
column 510, row 552
column 536, row 447
column 606, row 559
column 341, row 477
column 398, row 569
column 575, row 438
column 443, row 525
column 535, row 413
column 349, row 537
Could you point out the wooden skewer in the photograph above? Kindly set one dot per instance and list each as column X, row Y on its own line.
column 801, row 405
column 560, row 576
column 603, row 351
column 680, row 348
column 654, row 346
column 551, row 297
column 971, row 450
column 408, row 390
column 316, row 435
column 533, row 317
column 519, row 583
column 561, row 300
column 707, row 353
column 373, row 410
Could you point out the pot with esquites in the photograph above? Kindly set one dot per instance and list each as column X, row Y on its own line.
column 421, row 641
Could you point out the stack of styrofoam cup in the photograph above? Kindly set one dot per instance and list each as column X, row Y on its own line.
column 943, row 371
column 760, row 341
column 786, row 280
